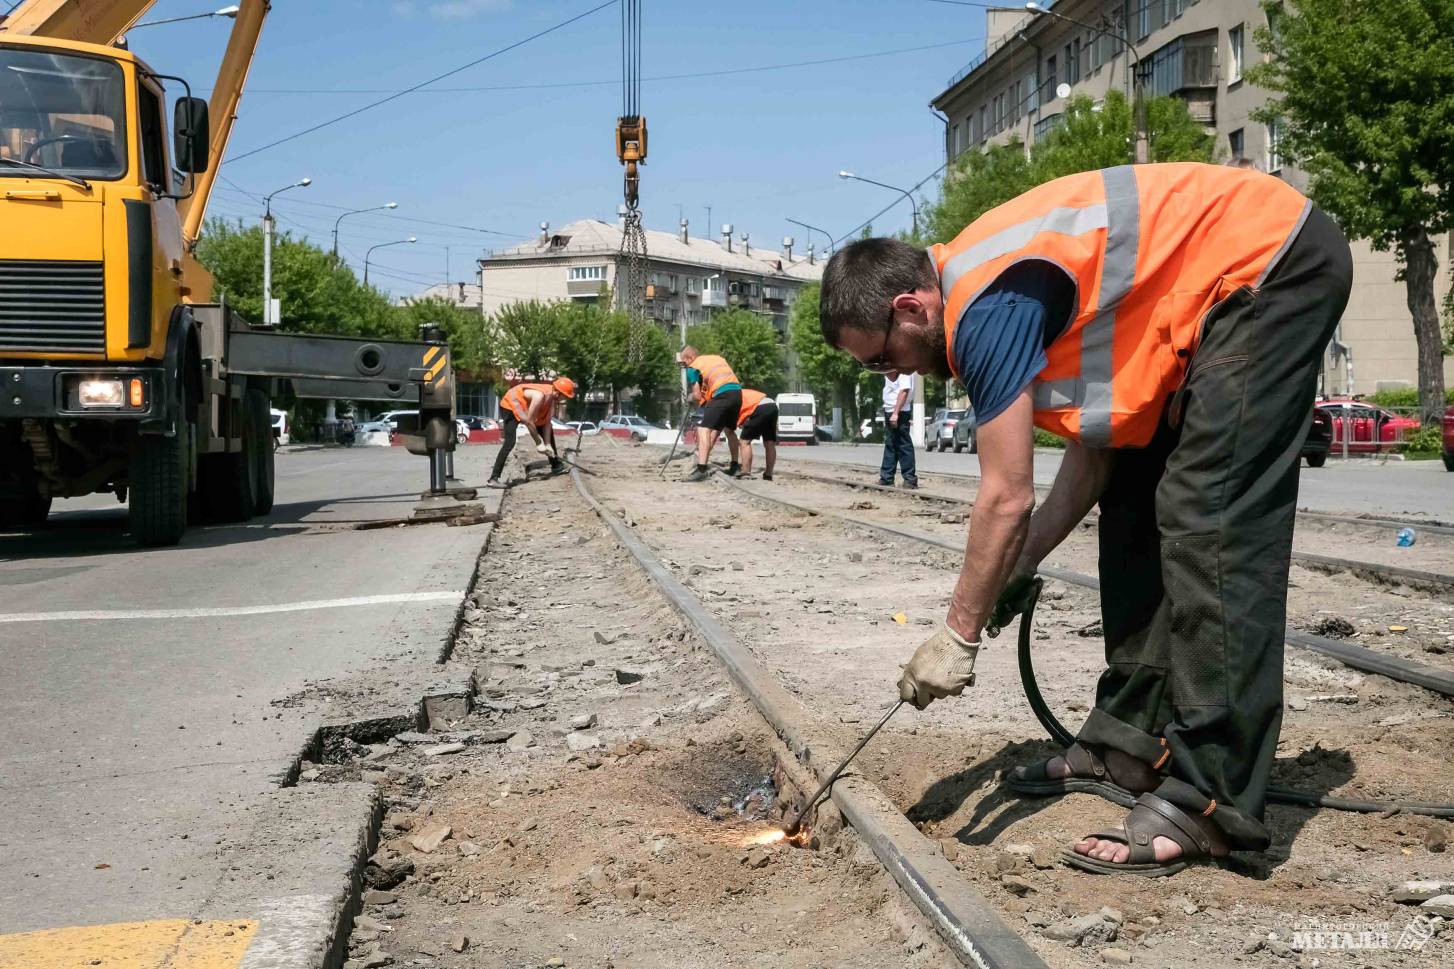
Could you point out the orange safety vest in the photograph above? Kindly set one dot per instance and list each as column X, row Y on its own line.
column 1152, row 248
column 715, row 372
column 514, row 401
column 750, row 400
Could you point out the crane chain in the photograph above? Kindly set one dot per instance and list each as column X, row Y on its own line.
column 631, row 291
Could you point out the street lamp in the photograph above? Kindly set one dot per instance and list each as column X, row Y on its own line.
column 375, row 208
column 1143, row 144
column 813, row 228
column 892, row 188
column 230, row 12
column 396, row 242
column 271, row 316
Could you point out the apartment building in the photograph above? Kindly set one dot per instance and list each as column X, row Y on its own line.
column 1196, row 50
column 689, row 278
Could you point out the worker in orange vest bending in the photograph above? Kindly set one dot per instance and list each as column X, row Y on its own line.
column 757, row 419
column 1169, row 321
column 533, row 406
column 719, row 392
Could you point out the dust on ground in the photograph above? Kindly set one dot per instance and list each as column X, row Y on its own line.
column 595, row 808
column 833, row 611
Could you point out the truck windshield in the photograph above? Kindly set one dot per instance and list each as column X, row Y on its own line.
column 61, row 112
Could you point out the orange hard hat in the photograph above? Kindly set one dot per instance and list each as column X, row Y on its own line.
column 564, row 386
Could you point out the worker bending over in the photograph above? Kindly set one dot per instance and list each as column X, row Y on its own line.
column 719, row 392
column 532, row 405
column 1169, row 321
column 756, row 419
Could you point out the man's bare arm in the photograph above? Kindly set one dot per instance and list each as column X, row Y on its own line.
column 1082, row 479
column 1001, row 516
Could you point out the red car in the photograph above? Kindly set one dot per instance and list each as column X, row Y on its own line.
column 1449, row 439
column 1373, row 428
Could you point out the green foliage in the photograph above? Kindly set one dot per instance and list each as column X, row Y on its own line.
column 318, row 294
column 1086, row 139
column 1044, row 438
column 1404, row 397
column 469, row 344
column 748, row 342
column 1428, row 439
column 528, row 335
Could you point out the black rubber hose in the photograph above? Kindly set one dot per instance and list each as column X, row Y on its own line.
column 1275, row 793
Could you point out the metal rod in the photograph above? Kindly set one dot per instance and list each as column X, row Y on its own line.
column 792, row 826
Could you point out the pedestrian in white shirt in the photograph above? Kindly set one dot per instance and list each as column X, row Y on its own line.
column 898, row 423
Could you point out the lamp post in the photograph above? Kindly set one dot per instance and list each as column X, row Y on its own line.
column 372, row 208
column 892, row 188
column 813, row 228
column 271, row 316
column 396, row 242
column 1143, row 141
column 230, row 11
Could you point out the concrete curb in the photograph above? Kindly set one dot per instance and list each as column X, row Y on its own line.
column 964, row 920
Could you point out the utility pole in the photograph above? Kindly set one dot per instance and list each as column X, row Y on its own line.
column 271, row 314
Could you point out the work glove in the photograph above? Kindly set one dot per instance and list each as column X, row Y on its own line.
column 942, row 666
column 545, row 449
column 1013, row 601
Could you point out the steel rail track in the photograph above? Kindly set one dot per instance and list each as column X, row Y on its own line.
column 1376, row 572
column 963, row 918
column 1356, row 657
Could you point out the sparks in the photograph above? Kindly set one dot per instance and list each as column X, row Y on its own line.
column 769, row 837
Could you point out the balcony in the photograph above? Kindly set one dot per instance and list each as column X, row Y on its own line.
column 714, row 297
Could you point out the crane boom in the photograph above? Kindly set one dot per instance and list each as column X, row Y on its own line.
column 226, row 94
column 87, row 21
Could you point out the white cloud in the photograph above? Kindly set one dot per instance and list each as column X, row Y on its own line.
column 466, row 9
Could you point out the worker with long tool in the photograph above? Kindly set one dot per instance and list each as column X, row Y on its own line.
column 532, row 405
column 719, row 392
column 1169, row 321
column 756, row 420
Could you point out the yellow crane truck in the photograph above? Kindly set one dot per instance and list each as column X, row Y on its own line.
column 117, row 372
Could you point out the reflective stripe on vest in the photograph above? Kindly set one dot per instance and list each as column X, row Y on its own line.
column 750, row 400
column 1151, row 249
column 514, row 401
column 715, row 372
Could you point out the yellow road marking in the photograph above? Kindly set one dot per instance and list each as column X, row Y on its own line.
column 169, row 943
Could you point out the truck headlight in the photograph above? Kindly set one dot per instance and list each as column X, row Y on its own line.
column 102, row 393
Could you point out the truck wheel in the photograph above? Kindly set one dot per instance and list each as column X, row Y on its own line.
column 24, row 512
column 230, row 480
column 158, row 496
column 1316, row 460
column 260, row 417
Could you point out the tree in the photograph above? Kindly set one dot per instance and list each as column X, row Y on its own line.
column 528, row 336
column 1088, row 137
column 1366, row 108
column 749, row 343
column 469, row 343
column 831, row 374
column 318, row 294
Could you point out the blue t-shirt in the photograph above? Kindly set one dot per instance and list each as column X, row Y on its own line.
column 999, row 344
column 694, row 376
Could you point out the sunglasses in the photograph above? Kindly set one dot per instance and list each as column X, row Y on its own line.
column 880, row 364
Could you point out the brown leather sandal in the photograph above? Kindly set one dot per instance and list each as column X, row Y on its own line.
column 1089, row 774
column 1153, row 817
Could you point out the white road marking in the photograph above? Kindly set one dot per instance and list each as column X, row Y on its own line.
column 306, row 606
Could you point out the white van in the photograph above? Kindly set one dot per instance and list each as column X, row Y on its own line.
column 797, row 418
column 281, row 432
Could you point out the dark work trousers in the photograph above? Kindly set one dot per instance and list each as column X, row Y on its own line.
column 1196, row 538
column 509, row 427
column 898, row 449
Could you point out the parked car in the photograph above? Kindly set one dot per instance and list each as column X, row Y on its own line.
column 583, row 427
column 638, row 426
column 461, row 431
column 1319, row 438
column 1449, row 439
column 281, row 433
column 939, row 434
column 1371, row 428
column 966, row 433
column 797, row 418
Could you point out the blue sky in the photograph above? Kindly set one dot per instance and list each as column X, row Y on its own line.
column 494, row 148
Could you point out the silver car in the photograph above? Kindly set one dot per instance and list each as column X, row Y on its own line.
column 939, row 435
column 965, row 433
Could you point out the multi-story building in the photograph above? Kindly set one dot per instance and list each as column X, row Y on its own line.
column 1197, row 51
column 688, row 278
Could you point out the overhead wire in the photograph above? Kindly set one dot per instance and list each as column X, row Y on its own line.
column 450, row 73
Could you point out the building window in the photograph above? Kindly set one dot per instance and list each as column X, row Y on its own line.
column 1187, row 62
column 1234, row 48
column 1143, row 18
column 1045, row 125
column 1072, row 62
column 1032, row 92
column 1237, row 143
column 587, row 273
column 1274, row 146
column 1052, row 81
column 954, row 141
column 1095, row 53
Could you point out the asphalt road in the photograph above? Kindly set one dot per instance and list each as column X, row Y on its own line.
column 144, row 735
column 1359, row 486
